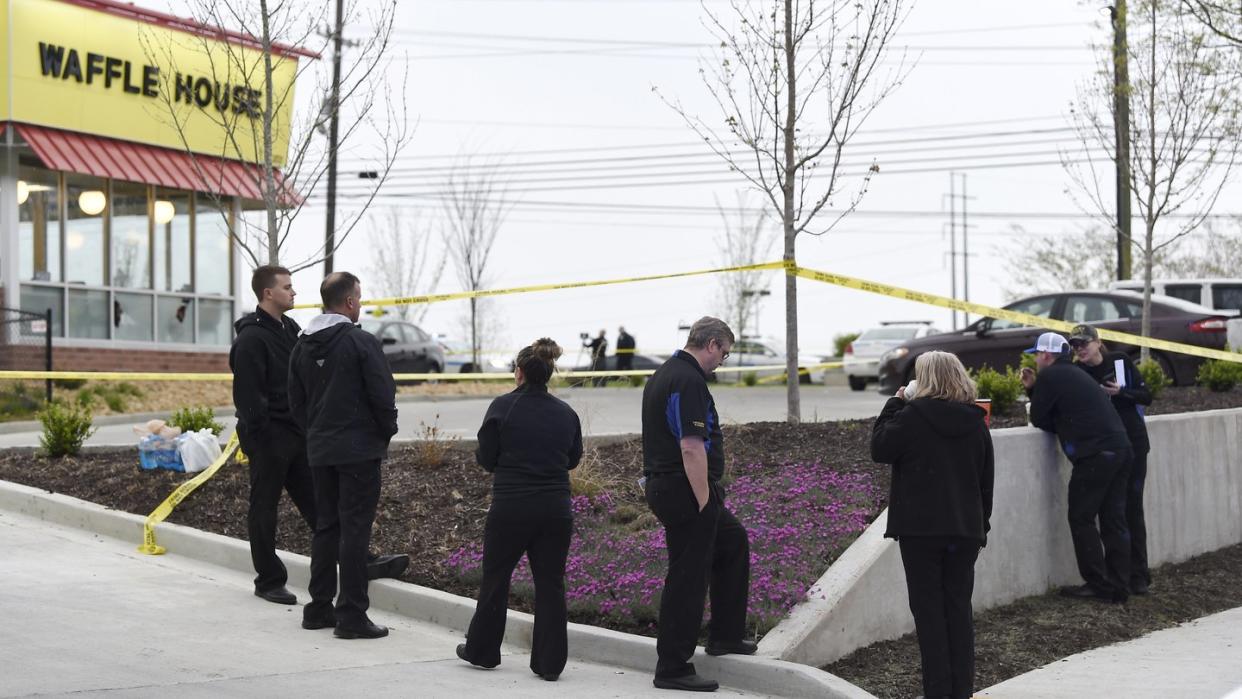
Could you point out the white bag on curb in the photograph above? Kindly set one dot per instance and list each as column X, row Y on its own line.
column 198, row 450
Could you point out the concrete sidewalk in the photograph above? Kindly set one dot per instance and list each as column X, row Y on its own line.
column 1201, row 659
column 88, row 615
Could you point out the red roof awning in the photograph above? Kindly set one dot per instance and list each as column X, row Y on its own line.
column 137, row 162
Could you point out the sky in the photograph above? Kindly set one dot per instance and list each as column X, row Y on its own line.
column 549, row 89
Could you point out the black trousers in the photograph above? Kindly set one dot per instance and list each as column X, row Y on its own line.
column 625, row 360
column 702, row 546
column 940, row 578
column 1097, row 491
column 346, row 497
column 545, row 541
column 277, row 462
column 1136, row 521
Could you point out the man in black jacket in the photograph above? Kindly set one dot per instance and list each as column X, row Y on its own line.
column 599, row 354
column 342, row 393
column 625, row 350
column 1068, row 402
column 272, row 440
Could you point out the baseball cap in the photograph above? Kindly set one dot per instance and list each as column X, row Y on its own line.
column 1048, row 342
column 1083, row 333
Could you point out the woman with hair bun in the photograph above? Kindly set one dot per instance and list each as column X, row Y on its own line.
column 529, row 442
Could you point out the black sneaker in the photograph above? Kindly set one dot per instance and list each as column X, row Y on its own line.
column 742, row 647
column 461, row 653
column 1139, row 587
column 315, row 622
column 280, row 595
column 687, row 683
column 388, row 566
column 368, row 629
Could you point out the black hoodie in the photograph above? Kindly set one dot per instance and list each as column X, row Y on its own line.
column 259, row 360
column 1067, row 401
column 941, row 453
column 342, row 393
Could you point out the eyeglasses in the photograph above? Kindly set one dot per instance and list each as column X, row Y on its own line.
column 725, row 352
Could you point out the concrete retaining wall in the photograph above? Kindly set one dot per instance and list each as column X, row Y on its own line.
column 1193, row 501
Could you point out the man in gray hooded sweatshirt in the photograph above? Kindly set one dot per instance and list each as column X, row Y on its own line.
column 342, row 393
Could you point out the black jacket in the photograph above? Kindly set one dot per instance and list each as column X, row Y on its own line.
column 1128, row 399
column 1067, row 401
column 259, row 360
column 342, row 393
column 529, row 441
column 625, row 341
column 941, row 453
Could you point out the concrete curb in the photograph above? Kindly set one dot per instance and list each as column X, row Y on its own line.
column 758, row 674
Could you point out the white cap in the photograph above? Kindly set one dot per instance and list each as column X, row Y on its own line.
column 1048, row 342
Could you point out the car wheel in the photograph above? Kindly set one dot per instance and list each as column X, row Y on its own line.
column 804, row 377
column 858, row 383
column 434, row 369
column 467, row 368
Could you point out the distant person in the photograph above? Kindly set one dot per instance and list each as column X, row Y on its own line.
column 599, row 355
column 683, row 464
column 939, row 511
column 273, row 441
column 1066, row 401
column 529, row 442
column 1129, row 395
column 342, row 393
column 625, row 350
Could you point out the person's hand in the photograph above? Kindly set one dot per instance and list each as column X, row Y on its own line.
column 1028, row 376
column 1111, row 388
column 901, row 393
column 703, row 502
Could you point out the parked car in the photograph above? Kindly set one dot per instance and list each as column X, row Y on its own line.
column 862, row 356
column 999, row 343
column 458, row 359
column 1217, row 294
column 643, row 362
column 768, row 352
column 407, row 347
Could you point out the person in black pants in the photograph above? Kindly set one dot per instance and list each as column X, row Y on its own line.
column 939, row 510
column 271, row 439
column 599, row 355
column 1067, row 401
column 625, row 350
column 683, row 462
column 341, row 391
column 1129, row 394
column 529, row 442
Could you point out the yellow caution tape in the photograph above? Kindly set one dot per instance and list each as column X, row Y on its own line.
column 116, row 375
column 436, row 298
column 160, row 513
column 988, row 311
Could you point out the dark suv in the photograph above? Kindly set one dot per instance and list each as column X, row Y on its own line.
column 407, row 347
column 999, row 343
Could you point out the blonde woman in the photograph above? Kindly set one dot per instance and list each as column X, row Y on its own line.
column 940, row 504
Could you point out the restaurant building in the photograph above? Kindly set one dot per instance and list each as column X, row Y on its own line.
column 129, row 143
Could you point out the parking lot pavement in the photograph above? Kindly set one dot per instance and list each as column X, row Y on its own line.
column 604, row 411
column 87, row 615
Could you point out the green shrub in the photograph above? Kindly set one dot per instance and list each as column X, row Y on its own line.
column 195, row 419
column 115, row 396
column 65, row 427
column 1154, row 376
column 1002, row 389
column 750, row 378
column 840, row 341
column 637, row 381
column 1027, row 361
column 69, row 384
column 1219, row 375
column 17, row 402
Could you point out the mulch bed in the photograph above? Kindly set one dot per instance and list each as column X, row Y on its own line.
column 434, row 501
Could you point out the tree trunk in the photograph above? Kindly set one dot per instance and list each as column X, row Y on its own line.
column 474, row 335
column 792, row 396
column 269, row 178
column 1148, row 254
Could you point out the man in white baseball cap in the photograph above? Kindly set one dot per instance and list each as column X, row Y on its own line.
column 1067, row 402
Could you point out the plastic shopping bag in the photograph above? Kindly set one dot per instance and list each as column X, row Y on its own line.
column 157, row 446
column 198, row 449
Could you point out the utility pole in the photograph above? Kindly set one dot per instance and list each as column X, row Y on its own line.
column 329, row 239
column 965, row 253
column 954, row 197
column 1121, row 133
column 953, row 242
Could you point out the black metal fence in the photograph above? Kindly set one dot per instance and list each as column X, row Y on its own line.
column 26, row 342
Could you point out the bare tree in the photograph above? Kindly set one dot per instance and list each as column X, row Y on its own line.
column 745, row 239
column 1224, row 19
column 402, row 261
column 1183, row 125
column 475, row 209
column 1076, row 259
column 795, row 81
column 261, row 47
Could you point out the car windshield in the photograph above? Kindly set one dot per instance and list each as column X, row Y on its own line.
column 904, row 333
column 371, row 326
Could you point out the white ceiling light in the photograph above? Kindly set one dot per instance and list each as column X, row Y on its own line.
column 23, row 192
column 164, row 211
column 92, row 202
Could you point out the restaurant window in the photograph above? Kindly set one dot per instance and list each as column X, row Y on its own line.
column 88, row 314
column 37, row 299
column 132, row 316
column 212, row 268
column 215, row 322
column 174, row 319
column 172, row 241
column 86, row 204
column 38, row 228
column 130, row 228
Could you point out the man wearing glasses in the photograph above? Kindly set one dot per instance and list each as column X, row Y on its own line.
column 683, row 461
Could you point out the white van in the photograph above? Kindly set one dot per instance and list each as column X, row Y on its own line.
column 1217, row 294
